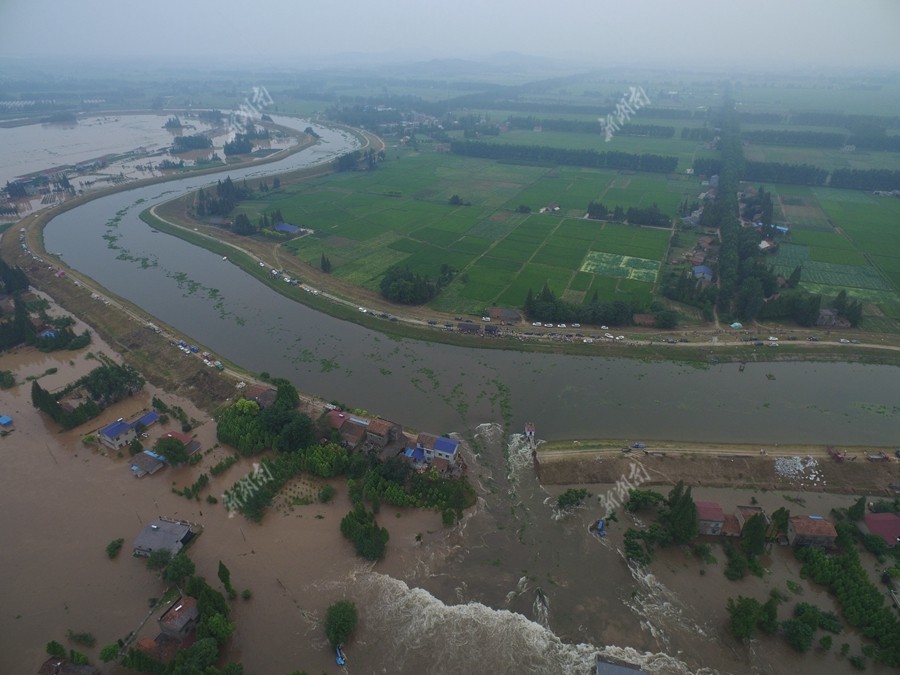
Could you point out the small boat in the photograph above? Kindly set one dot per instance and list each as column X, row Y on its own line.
column 340, row 659
column 224, row 257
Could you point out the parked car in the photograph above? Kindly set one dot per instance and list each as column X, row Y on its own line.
column 845, row 341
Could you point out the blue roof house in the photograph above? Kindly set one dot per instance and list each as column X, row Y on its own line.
column 5, row 421
column 445, row 448
column 117, row 434
column 703, row 273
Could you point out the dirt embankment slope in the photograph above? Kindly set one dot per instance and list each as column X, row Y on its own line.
column 794, row 468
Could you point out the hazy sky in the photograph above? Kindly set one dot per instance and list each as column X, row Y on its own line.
column 784, row 33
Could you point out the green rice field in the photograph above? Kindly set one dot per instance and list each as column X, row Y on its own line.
column 365, row 222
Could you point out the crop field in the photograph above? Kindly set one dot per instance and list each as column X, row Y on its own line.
column 685, row 151
column 825, row 158
column 366, row 222
column 621, row 266
column 844, row 239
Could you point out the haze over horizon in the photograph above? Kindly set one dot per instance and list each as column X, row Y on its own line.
column 766, row 34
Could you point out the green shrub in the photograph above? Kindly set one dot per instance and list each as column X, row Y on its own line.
column 113, row 548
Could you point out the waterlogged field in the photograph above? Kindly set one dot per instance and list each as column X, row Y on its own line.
column 366, row 222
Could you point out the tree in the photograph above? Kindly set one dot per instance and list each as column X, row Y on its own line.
column 794, row 279
column 753, row 536
column 172, row 450
column 858, row 510
column 799, row 634
column 340, row 622
column 225, row 578
column 768, row 616
column 681, row 516
column 159, row 559
column 744, row 614
column 56, row 649
column 109, row 653
column 179, row 567
column 572, row 498
column 325, row 264
column 218, row 628
column 780, row 518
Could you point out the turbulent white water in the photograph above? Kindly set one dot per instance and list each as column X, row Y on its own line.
column 407, row 629
column 419, row 633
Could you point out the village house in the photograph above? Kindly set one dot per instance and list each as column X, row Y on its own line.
column 61, row 666
column 811, row 531
column 710, row 518
column 703, row 273
column 180, row 619
column 437, row 451
column 884, row 525
column 380, row 432
column 162, row 534
column 503, row 315
column 146, row 463
column 116, row 435
column 120, row 433
column 353, row 432
column 262, row 395
column 191, row 444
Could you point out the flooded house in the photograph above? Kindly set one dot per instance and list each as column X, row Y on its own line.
column 811, row 531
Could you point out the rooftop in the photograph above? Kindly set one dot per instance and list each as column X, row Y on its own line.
column 709, row 511
column 117, row 428
column 182, row 611
column 426, row 440
column 446, row 445
column 813, row 526
column 380, row 427
column 885, row 525
column 162, row 534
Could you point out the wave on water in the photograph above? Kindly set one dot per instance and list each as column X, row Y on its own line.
column 655, row 602
column 409, row 630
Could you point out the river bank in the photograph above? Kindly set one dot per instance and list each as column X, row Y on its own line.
column 774, row 467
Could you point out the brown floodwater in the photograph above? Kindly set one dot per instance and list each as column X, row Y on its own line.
column 513, row 587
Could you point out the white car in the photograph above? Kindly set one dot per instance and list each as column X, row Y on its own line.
column 576, row 325
column 608, row 336
column 845, row 341
column 772, row 338
column 485, row 318
column 363, row 310
column 560, row 325
column 620, row 337
column 604, row 327
column 536, row 323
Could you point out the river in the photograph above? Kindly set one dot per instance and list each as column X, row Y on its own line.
column 512, row 589
column 440, row 387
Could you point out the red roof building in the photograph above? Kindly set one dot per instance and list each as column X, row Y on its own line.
column 710, row 518
column 811, row 531
column 885, row 525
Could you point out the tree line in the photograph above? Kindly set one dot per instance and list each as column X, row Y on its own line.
column 228, row 195
column 587, row 127
column 810, row 139
column 400, row 284
column 804, row 174
column 104, row 385
column 545, row 306
column 194, row 142
column 573, row 157
column 650, row 216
